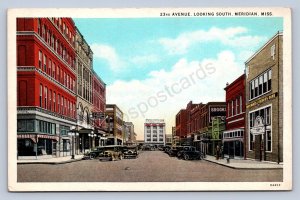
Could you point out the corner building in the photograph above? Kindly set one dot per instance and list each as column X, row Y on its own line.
column 264, row 101
column 46, row 94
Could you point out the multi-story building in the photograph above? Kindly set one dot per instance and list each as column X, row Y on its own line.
column 154, row 132
column 169, row 139
column 99, row 108
column 46, row 82
column 264, row 102
column 129, row 133
column 84, row 59
column 181, row 124
column 211, row 126
column 195, row 125
column 115, row 124
column 233, row 136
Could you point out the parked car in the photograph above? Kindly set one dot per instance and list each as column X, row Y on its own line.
column 130, row 152
column 174, row 150
column 189, row 153
column 93, row 154
column 167, row 148
column 111, row 153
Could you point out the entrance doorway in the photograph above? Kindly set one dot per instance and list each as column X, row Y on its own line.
column 258, row 142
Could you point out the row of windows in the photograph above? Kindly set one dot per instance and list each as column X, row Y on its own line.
column 56, row 103
column 261, row 84
column 235, row 106
column 155, row 140
column 55, row 71
column 233, row 134
column 52, row 40
column 31, row 125
column 64, row 29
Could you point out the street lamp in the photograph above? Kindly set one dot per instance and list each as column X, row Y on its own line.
column 73, row 132
column 91, row 135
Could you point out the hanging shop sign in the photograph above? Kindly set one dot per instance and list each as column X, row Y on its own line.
column 217, row 111
column 262, row 100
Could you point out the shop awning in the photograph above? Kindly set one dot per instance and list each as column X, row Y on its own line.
column 35, row 137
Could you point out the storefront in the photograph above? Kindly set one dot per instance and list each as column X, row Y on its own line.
column 233, row 144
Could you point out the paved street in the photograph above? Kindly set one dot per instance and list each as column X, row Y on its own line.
column 149, row 166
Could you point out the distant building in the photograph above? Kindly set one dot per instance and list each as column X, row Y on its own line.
column 154, row 131
column 168, row 139
column 115, row 123
column 129, row 135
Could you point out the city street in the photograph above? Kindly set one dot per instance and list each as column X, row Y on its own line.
column 149, row 166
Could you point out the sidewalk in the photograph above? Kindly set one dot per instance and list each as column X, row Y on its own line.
column 53, row 161
column 244, row 164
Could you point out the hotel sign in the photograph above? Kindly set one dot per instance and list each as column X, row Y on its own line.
column 262, row 100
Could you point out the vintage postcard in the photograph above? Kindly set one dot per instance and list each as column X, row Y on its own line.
column 164, row 99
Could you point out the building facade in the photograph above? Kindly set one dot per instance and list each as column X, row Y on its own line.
column 154, row 131
column 130, row 135
column 99, row 108
column 234, row 135
column 84, row 89
column 115, row 125
column 181, row 124
column 46, row 86
column 211, row 127
column 264, row 101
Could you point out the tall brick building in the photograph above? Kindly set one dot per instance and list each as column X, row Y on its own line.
column 264, row 102
column 233, row 136
column 46, row 89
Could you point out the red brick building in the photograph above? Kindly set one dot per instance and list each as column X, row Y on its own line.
column 99, row 106
column 46, row 77
column 233, row 136
column 181, row 124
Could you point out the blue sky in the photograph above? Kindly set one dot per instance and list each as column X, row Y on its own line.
column 138, row 57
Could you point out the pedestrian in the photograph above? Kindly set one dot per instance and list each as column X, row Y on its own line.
column 222, row 151
column 217, row 152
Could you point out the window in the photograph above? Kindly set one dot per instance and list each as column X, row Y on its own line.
column 39, row 26
column 241, row 104
column 269, row 80
column 232, row 108
column 53, row 70
column 261, row 85
column 237, row 106
column 54, row 103
column 40, row 59
column 268, row 141
column 256, row 87
column 50, row 99
column 49, row 67
column 62, row 105
column 228, row 109
column 58, row 104
column 41, row 95
column 45, row 63
column 46, row 95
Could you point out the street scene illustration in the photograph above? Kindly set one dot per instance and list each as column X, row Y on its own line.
column 150, row 99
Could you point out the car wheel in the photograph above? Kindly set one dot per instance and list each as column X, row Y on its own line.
column 186, row 157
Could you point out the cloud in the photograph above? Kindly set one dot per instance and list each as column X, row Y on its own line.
column 145, row 59
column 109, row 54
column 234, row 36
column 163, row 93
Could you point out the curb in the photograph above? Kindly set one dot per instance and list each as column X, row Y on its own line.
column 50, row 163
column 242, row 168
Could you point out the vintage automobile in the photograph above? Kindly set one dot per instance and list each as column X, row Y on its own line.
column 130, row 152
column 174, row 150
column 93, row 154
column 189, row 153
column 111, row 153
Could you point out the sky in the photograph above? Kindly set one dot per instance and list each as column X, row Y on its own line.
column 153, row 67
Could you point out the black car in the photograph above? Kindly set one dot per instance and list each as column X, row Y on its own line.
column 189, row 153
column 93, row 154
column 130, row 152
column 174, row 150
